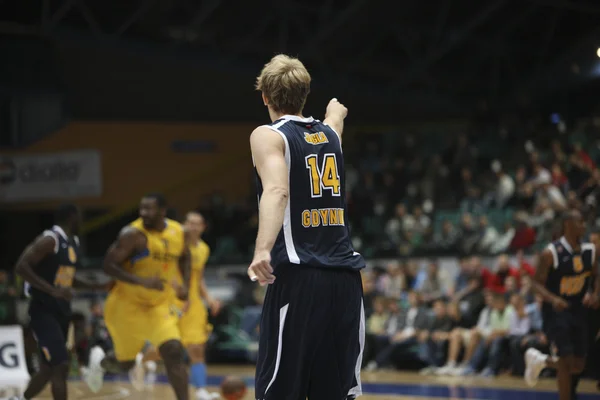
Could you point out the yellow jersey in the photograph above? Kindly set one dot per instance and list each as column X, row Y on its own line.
column 159, row 258
column 199, row 255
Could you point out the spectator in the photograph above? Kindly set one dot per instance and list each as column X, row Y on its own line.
column 431, row 288
column 520, row 325
column 526, row 290
column 490, row 235
column 470, row 234
column 524, row 235
column 394, row 283
column 494, row 340
column 471, row 300
column 447, row 238
column 505, row 187
column 464, row 274
column 505, row 239
column 422, row 221
column 535, row 338
column 468, row 339
column 404, row 334
column 377, row 321
column 433, row 347
column 396, row 226
column 503, row 271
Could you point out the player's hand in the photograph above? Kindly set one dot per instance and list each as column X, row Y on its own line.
column 181, row 291
column 63, row 293
column 559, row 304
column 153, row 283
column 260, row 270
column 335, row 108
column 214, row 306
column 590, row 300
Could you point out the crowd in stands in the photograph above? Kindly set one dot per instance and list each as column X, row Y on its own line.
column 480, row 323
column 491, row 191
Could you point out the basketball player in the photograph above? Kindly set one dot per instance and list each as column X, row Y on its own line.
column 312, row 326
column 143, row 260
column 193, row 323
column 566, row 269
column 48, row 266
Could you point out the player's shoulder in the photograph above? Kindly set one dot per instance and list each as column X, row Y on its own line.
column 203, row 246
column 133, row 229
column 175, row 225
column 588, row 246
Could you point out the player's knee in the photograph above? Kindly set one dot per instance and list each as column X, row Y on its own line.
column 196, row 353
column 172, row 352
column 60, row 372
column 577, row 366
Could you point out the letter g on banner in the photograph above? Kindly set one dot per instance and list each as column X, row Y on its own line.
column 8, row 355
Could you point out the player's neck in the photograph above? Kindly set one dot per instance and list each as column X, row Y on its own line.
column 66, row 230
column 277, row 115
column 572, row 241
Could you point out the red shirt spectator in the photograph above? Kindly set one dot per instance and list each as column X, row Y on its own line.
column 503, row 270
column 524, row 238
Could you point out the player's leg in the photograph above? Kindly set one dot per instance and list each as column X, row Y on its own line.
column 51, row 341
column 173, row 355
column 128, row 328
column 195, row 331
column 580, row 335
column 164, row 334
column 291, row 328
column 335, row 374
column 558, row 332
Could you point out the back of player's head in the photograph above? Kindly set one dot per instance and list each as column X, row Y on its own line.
column 65, row 212
column 285, row 82
column 161, row 202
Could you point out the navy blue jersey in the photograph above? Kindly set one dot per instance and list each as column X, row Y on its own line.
column 58, row 269
column 571, row 271
column 315, row 227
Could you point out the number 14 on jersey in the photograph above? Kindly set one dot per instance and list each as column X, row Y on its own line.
column 326, row 177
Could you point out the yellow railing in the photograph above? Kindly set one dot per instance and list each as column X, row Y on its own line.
column 224, row 165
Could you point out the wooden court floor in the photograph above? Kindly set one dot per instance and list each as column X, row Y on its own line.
column 389, row 385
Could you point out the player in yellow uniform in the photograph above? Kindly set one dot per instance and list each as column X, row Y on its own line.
column 193, row 323
column 146, row 257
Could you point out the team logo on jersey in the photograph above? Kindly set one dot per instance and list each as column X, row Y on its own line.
column 315, row 138
column 577, row 264
column 72, row 255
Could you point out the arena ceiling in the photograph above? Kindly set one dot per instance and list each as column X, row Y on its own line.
column 463, row 50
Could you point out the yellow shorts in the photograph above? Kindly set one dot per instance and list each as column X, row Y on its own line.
column 193, row 324
column 131, row 325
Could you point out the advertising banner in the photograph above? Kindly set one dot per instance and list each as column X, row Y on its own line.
column 50, row 176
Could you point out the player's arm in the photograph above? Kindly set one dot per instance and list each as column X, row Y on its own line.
column 126, row 245
column 545, row 263
column 213, row 304
column 185, row 269
column 84, row 284
column 33, row 254
column 268, row 151
column 335, row 115
column 592, row 298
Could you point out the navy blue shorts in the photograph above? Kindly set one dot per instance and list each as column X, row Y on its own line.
column 50, row 331
column 568, row 332
column 311, row 335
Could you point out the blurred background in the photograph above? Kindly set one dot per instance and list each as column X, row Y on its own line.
column 471, row 126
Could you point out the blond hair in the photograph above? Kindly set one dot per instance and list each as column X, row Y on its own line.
column 285, row 83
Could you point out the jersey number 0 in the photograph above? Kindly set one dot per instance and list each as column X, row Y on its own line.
column 326, row 177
